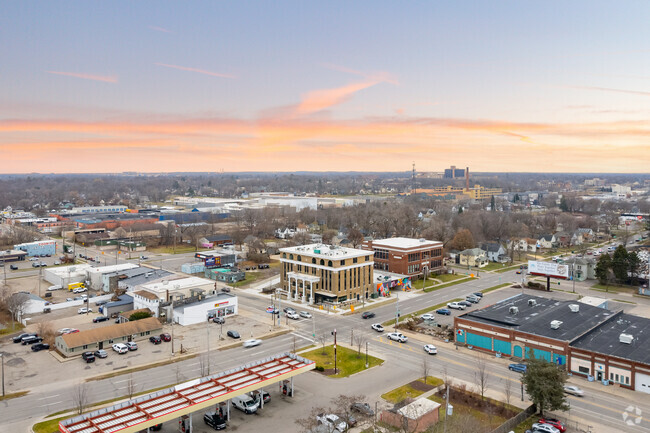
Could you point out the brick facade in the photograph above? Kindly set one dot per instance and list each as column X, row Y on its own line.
column 411, row 258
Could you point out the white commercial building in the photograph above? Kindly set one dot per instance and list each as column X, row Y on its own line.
column 95, row 274
column 64, row 275
column 178, row 289
column 222, row 305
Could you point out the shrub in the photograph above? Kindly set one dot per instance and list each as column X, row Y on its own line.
column 320, row 368
column 139, row 315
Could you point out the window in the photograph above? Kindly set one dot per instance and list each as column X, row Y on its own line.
column 85, row 346
column 284, row 255
column 582, row 369
column 354, row 260
column 300, row 258
column 381, row 254
column 367, row 258
column 290, row 256
column 313, row 261
column 414, row 256
column 329, row 263
column 322, row 262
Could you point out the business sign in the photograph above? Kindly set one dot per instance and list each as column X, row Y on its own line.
column 212, row 262
column 548, row 269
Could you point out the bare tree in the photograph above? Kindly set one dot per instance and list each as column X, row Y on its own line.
column 482, row 375
column 46, row 332
column 359, row 341
column 507, row 390
column 80, row 397
column 425, row 368
column 16, row 304
column 322, row 340
column 130, row 386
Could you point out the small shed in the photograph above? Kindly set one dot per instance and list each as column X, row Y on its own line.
column 415, row 417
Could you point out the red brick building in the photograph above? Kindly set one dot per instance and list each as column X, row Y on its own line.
column 406, row 256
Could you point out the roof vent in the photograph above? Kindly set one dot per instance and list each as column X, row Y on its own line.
column 574, row 308
column 555, row 324
column 422, row 240
column 532, row 302
column 626, row 338
column 514, row 310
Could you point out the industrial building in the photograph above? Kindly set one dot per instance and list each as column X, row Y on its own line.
column 38, row 248
column 99, row 277
column 326, row 273
column 406, row 256
column 64, row 275
column 586, row 340
column 12, row 256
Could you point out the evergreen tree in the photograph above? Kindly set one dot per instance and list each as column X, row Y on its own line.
column 602, row 268
column 633, row 263
column 460, row 209
column 620, row 264
column 564, row 207
column 544, row 383
column 492, row 204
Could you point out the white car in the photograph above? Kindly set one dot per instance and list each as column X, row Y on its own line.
column 80, row 290
column 52, row 288
column 120, row 348
column 252, row 343
column 430, row 349
column 33, row 259
column 84, row 310
column 427, row 316
column 132, row 345
column 544, row 428
column 305, row 314
column 377, row 327
column 456, row 306
column 65, row 331
column 333, row 422
column 397, row 336
column 574, row 390
column 293, row 315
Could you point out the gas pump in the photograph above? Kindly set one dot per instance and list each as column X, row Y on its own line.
column 185, row 424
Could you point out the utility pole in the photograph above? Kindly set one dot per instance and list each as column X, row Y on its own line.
column 40, row 273
column 351, row 337
column 313, row 327
column 335, row 370
column 3, row 374
column 172, row 314
column 397, row 312
column 366, row 354
column 446, row 407
column 208, row 334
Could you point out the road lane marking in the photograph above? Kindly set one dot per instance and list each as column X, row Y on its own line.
column 50, row 396
column 53, row 403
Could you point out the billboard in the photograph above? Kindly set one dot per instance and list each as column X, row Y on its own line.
column 548, row 269
column 212, row 262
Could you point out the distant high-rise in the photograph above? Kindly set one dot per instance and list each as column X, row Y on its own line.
column 454, row 173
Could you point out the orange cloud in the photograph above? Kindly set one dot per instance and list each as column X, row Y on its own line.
column 198, row 71
column 318, row 100
column 103, row 78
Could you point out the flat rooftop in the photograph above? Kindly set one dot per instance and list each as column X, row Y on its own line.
column 74, row 270
column 325, row 251
column 112, row 268
column 176, row 285
column 536, row 319
column 405, row 243
column 604, row 339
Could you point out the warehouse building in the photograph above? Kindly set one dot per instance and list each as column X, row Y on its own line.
column 104, row 337
column 38, row 248
column 584, row 339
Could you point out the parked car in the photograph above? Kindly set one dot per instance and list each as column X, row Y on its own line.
column 33, row 259
column 84, row 310
column 478, row 294
column 233, row 334
column 166, row 337
column 19, row 338
column 363, row 408
column 219, row 320
column 155, row 339
column 43, row 264
column 368, row 315
column 80, row 290
column 55, row 287
column 31, row 340
column 100, row 319
column 225, row 289
column 574, row 390
column 443, row 311
column 88, row 357
column 377, row 327
column 214, row 420
column 40, row 346
column 473, row 299
column 101, row 353
column 266, row 397
column 519, row 368
column 397, row 336
column 13, row 267
column 143, row 257
column 57, row 263
column 427, row 316
column 305, row 314
column 333, row 422
column 132, row 345
column 120, row 348
column 252, row 342
column 465, row 303
column 35, row 265
column 289, row 310
column 544, row 428
column 554, row 422
column 63, row 331
column 455, row 306
column 245, row 403
column 293, row 315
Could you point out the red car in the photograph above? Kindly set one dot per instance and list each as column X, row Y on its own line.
column 554, row 422
column 166, row 337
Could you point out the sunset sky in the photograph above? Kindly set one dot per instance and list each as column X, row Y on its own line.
column 153, row 86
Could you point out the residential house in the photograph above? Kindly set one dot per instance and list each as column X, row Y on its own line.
column 474, row 257
column 587, row 234
column 547, row 241
column 583, row 268
column 524, row 244
column 495, row 252
column 285, row 233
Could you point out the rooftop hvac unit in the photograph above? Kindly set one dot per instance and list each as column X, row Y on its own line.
column 626, row 338
column 555, row 324
column 532, row 302
column 514, row 310
column 574, row 308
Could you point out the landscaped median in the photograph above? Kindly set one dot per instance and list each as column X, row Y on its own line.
column 498, row 286
column 348, row 361
column 412, row 389
column 422, row 311
column 453, row 283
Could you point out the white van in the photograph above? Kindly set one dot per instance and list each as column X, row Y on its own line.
column 245, row 403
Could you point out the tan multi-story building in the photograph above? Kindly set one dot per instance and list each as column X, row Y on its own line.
column 406, row 256
column 316, row 273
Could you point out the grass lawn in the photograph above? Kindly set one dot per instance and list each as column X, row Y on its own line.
column 422, row 311
column 509, row 268
column 492, row 266
column 250, row 279
column 461, row 410
column 445, row 278
column 14, row 395
column 614, row 288
column 49, row 426
column 347, row 361
column 407, row 391
column 10, row 329
column 463, row 279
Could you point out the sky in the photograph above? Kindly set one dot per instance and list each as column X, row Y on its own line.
column 157, row 86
